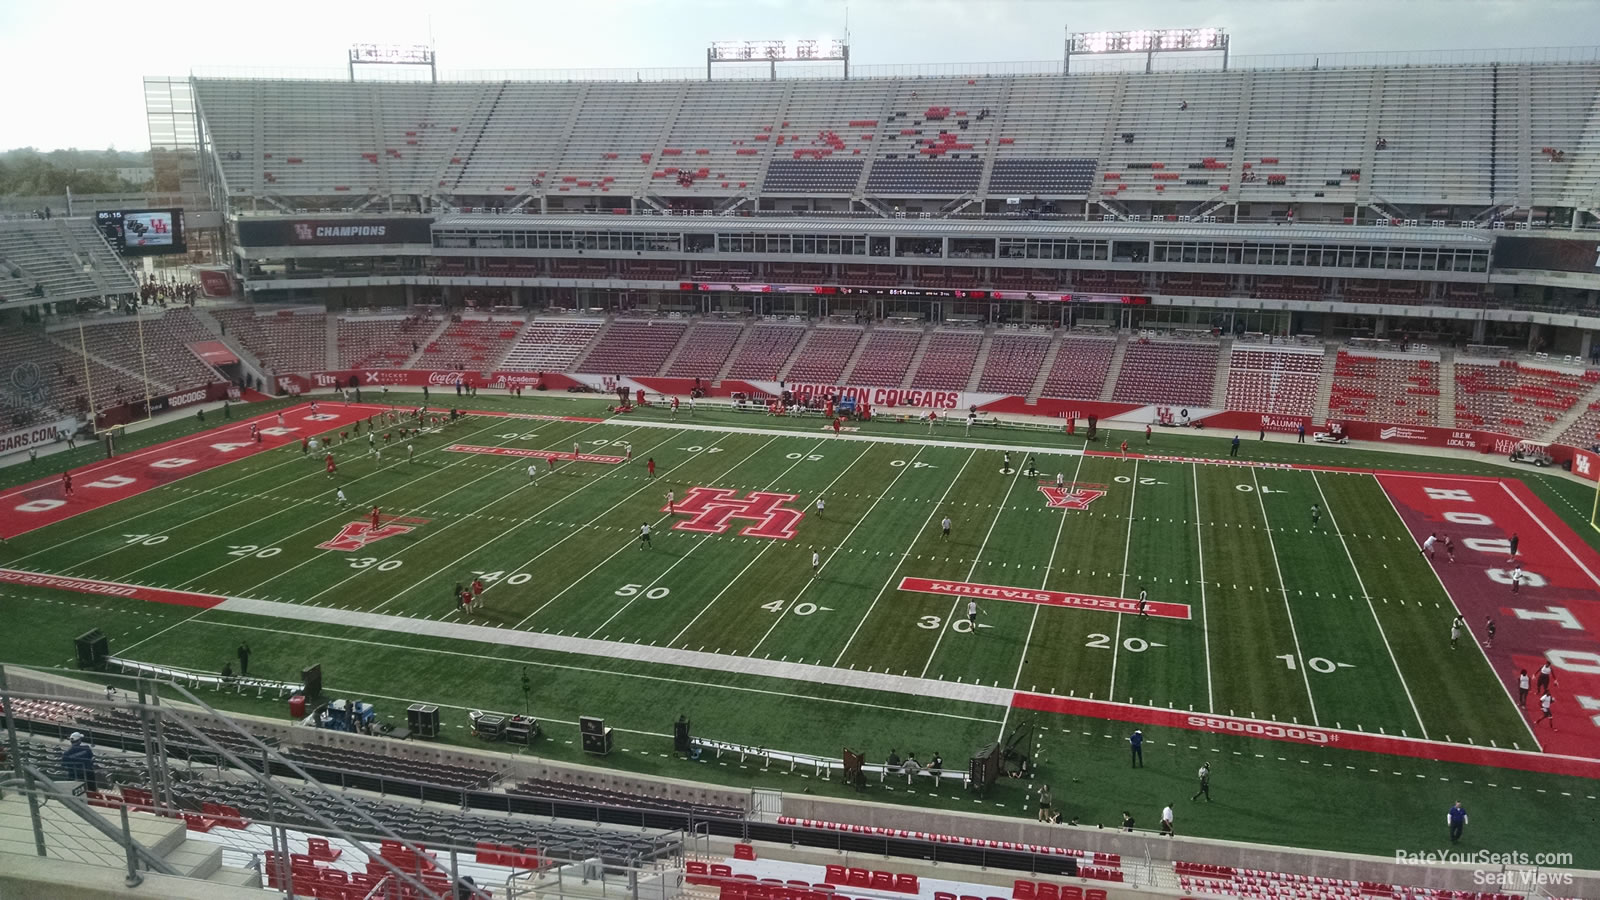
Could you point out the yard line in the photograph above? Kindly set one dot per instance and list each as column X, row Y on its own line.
column 561, row 593
column 1334, row 520
column 933, row 510
column 1044, row 582
column 1122, row 591
column 842, row 543
column 1506, row 688
column 1284, row 589
column 954, row 604
column 770, row 544
column 324, row 554
column 1205, row 622
column 254, row 522
column 482, row 544
column 701, row 543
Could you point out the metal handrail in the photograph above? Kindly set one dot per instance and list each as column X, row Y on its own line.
column 122, row 838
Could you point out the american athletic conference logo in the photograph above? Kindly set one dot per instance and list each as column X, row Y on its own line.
column 26, row 386
column 712, row 510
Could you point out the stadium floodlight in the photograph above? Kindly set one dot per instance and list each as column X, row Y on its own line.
column 392, row 55
column 1146, row 41
column 774, row 52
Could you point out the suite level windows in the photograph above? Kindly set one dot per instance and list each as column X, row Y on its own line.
column 809, row 245
column 1414, row 259
column 1017, row 248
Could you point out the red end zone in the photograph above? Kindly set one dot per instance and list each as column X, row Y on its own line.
column 46, row 502
column 1554, row 616
column 1047, row 598
column 109, row 589
column 1309, row 735
column 535, row 454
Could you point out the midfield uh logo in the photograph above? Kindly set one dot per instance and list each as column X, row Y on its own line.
column 711, row 511
column 356, row 535
column 1076, row 498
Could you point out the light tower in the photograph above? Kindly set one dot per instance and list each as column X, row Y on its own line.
column 774, row 52
column 1148, row 42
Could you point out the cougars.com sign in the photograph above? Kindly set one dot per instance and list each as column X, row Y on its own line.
column 37, row 436
column 883, row 396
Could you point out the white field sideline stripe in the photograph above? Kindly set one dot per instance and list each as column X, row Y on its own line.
column 694, row 659
column 874, row 439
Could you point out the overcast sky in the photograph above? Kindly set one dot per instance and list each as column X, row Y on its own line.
column 76, row 66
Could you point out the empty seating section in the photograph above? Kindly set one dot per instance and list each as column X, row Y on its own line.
column 614, row 137
column 1438, row 127
column 345, row 759
column 509, row 139
column 886, row 358
column 1585, row 430
column 824, row 355
column 1305, row 128
column 285, row 340
column 714, row 122
column 1167, row 372
column 1013, row 362
column 901, row 177
column 1080, row 369
column 470, row 344
column 589, row 793
column 1564, row 124
column 58, row 378
column 765, row 351
column 634, row 347
column 381, row 342
column 1043, row 177
column 155, row 347
column 828, row 132
column 1173, row 153
column 705, row 349
column 1403, row 389
column 947, row 363
column 812, row 176
column 551, row 345
column 1445, row 134
column 1274, row 381
column 60, row 258
column 1514, row 398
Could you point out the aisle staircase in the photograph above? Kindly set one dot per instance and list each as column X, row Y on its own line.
column 1447, row 389
column 916, row 358
column 1330, row 359
column 981, row 360
column 1045, row 366
column 1114, row 371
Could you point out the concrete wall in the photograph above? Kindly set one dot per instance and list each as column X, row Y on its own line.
column 43, row 878
column 1137, row 846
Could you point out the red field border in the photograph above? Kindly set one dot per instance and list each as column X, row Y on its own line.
column 109, row 589
column 46, row 502
column 1552, row 616
column 1312, row 736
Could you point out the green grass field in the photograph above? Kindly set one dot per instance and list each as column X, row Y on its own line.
column 1281, row 624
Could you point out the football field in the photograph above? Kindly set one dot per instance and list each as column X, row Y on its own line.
column 797, row 591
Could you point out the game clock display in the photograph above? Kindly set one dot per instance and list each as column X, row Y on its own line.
column 143, row 232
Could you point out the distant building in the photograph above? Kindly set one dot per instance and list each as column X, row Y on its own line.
column 137, row 174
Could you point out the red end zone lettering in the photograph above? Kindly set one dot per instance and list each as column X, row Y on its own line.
column 535, row 454
column 108, row 589
column 712, row 510
column 1047, row 598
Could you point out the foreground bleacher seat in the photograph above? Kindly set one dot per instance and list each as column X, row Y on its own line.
column 551, row 345
column 705, row 348
column 1080, row 368
column 886, row 357
column 824, row 354
column 1385, row 388
column 1283, row 382
column 765, row 351
column 1013, row 362
column 284, row 339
